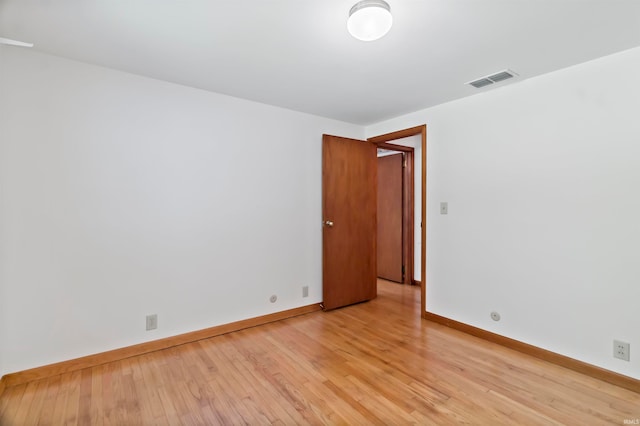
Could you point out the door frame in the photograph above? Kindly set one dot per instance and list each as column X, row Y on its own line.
column 380, row 141
column 408, row 209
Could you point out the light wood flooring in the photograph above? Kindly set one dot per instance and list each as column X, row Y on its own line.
column 372, row 363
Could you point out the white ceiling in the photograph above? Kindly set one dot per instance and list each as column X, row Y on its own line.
column 297, row 54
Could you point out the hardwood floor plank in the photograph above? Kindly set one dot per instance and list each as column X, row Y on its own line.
column 73, row 399
column 10, row 401
column 381, row 407
column 45, row 414
column 239, row 382
column 22, row 409
column 170, row 412
column 96, row 405
column 37, row 403
column 263, row 364
column 247, row 367
column 139, row 388
column 348, row 399
column 373, row 363
column 84, row 403
column 228, row 390
column 61, row 399
column 108, row 400
column 131, row 401
column 224, row 405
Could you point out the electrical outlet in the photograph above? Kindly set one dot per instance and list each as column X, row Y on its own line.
column 152, row 322
column 305, row 291
column 621, row 350
column 444, row 207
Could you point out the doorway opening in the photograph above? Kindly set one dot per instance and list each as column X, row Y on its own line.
column 396, row 211
column 391, row 141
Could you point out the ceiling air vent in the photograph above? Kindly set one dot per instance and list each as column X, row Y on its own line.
column 481, row 83
column 493, row 78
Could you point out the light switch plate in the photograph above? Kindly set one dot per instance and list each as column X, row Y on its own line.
column 444, row 207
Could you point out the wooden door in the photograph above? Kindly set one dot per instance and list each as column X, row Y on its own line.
column 390, row 214
column 349, row 221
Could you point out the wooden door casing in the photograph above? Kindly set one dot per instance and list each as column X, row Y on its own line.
column 381, row 141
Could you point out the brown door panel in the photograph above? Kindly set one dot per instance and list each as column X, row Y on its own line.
column 390, row 214
column 349, row 221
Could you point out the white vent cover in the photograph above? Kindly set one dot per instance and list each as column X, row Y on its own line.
column 493, row 78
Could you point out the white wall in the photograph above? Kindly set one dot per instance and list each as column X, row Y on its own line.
column 542, row 178
column 122, row 196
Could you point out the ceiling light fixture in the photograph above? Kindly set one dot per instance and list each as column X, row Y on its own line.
column 369, row 19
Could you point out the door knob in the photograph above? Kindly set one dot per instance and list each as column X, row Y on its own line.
column 328, row 223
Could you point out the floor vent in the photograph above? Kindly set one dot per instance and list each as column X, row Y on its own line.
column 493, row 78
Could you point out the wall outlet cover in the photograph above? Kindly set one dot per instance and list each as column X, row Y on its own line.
column 621, row 350
column 152, row 322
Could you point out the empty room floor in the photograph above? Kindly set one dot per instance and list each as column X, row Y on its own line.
column 372, row 363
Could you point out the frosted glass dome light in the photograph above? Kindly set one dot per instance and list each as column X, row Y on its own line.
column 369, row 19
